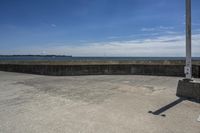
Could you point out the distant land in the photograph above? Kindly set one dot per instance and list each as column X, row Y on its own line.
column 35, row 55
column 82, row 58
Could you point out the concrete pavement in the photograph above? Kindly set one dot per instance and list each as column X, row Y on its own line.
column 93, row 104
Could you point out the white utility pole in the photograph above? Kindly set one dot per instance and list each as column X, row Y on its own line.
column 188, row 67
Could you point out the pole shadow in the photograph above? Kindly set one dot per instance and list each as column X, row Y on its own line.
column 166, row 107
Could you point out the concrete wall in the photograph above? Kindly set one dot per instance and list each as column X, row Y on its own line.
column 162, row 68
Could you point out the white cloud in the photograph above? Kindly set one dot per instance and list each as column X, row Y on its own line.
column 160, row 46
column 140, row 35
column 53, row 25
column 166, row 45
column 166, row 28
column 160, row 28
column 114, row 37
column 148, row 29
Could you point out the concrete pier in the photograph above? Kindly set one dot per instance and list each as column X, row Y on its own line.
column 62, row 68
column 94, row 104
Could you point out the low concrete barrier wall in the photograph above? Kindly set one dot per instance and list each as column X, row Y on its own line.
column 58, row 68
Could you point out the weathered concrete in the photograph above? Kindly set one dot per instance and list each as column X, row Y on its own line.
column 61, row 68
column 100, row 62
column 87, row 104
column 189, row 89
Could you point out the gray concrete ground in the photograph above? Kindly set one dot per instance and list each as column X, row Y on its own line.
column 92, row 104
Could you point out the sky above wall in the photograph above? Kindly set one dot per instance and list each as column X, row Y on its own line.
column 97, row 27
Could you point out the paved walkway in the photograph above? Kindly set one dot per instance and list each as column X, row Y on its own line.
column 94, row 104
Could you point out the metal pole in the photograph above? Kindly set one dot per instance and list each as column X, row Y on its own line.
column 188, row 67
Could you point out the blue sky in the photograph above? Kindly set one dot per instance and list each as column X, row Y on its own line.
column 97, row 27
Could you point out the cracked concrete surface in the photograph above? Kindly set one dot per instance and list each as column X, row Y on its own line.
column 92, row 104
